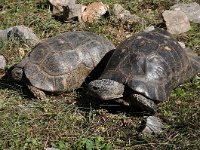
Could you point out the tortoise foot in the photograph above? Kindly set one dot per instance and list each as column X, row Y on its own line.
column 143, row 103
column 37, row 93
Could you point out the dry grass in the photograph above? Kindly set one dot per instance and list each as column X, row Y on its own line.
column 73, row 120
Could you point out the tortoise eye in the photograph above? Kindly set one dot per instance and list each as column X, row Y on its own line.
column 17, row 73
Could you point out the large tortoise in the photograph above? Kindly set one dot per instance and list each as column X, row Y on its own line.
column 144, row 69
column 61, row 63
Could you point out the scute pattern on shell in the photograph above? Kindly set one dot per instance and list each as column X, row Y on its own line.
column 63, row 62
column 151, row 63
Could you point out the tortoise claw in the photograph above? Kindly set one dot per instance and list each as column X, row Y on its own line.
column 37, row 93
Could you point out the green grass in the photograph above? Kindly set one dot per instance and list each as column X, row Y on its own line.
column 63, row 121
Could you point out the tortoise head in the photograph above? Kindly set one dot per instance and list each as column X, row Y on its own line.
column 106, row 89
column 17, row 73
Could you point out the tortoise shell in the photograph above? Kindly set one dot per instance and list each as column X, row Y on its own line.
column 63, row 62
column 152, row 64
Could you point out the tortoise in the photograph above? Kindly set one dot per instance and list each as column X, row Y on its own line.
column 144, row 69
column 61, row 63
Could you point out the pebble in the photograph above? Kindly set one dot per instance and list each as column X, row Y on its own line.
column 2, row 66
column 76, row 11
column 2, row 62
column 148, row 29
column 182, row 44
column 51, row 148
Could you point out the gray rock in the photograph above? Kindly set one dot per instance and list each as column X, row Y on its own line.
column 58, row 4
column 176, row 21
column 192, row 10
column 148, row 29
column 124, row 15
column 21, row 32
column 3, row 35
column 77, row 11
column 182, row 44
column 51, row 148
column 73, row 12
column 69, row 8
column 2, row 62
column 152, row 125
column 2, row 66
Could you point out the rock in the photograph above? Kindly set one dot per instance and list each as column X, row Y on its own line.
column 124, row 15
column 51, row 148
column 73, row 12
column 2, row 66
column 182, row 44
column 192, row 10
column 21, row 52
column 2, row 62
column 58, row 4
column 148, row 29
column 152, row 125
column 94, row 11
column 176, row 21
column 69, row 8
column 77, row 11
column 23, row 33
column 3, row 35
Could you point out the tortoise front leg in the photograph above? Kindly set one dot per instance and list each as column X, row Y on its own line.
column 36, row 92
column 144, row 103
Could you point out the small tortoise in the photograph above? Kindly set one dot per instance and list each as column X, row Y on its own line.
column 144, row 69
column 61, row 63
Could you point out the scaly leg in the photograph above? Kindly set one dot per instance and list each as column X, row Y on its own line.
column 143, row 103
column 36, row 92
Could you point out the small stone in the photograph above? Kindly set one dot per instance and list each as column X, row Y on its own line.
column 94, row 11
column 2, row 66
column 118, row 10
column 2, row 62
column 152, row 125
column 124, row 15
column 58, row 4
column 69, row 8
column 21, row 52
column 182, row 44
column 77, row 11
column 3, row 35
column 148, row 29
column 51, row 148
column 176, row 21
column 197, row 77
column 192, row 10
